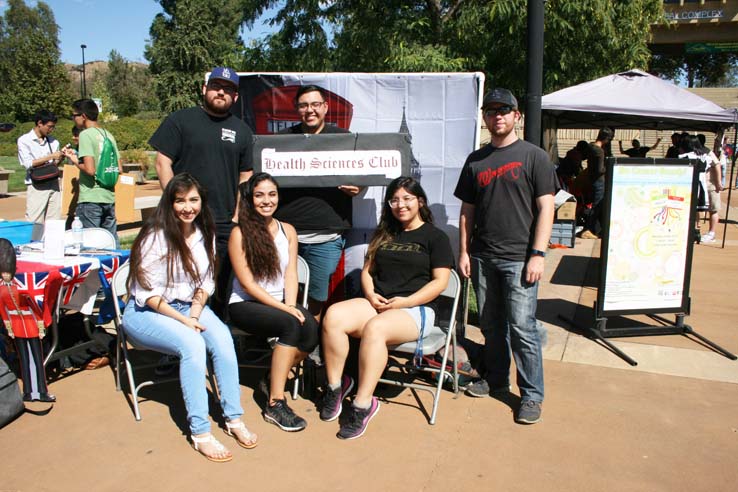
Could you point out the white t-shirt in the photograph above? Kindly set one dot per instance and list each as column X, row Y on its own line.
column 154, row 263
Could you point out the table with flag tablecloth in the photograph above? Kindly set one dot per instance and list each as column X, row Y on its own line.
column 73, row 282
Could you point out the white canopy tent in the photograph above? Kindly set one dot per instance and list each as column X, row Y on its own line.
column 634, row 99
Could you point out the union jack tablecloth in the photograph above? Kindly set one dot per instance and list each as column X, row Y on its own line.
column 42, row 279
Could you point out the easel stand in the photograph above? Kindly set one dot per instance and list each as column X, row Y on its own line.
column 601, row 332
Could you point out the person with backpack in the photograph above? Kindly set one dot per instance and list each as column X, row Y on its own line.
column 99, row 168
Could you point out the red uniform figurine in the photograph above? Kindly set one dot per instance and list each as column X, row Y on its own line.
column 24, row 325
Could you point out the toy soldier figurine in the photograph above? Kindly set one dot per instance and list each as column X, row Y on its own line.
column 25, row 327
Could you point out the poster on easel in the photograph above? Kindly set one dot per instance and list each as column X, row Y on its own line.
column 647, row 241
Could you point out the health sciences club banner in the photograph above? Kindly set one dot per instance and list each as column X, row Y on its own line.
column 333, row 159
column 439, row 112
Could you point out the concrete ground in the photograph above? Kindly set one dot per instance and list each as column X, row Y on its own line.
column 668, row 424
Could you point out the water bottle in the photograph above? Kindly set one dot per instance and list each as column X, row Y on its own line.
column 77, row 232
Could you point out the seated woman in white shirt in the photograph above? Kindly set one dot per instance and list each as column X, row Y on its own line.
column 263, row 253
column 172, row 265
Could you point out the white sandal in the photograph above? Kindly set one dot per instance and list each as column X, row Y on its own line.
column 248, row 434
column 210, row 439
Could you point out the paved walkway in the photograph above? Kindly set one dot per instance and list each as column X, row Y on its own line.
column 668, row 424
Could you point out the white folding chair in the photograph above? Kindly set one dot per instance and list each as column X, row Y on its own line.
column 120, row 290
column 260, row 357
column 93, row 237
column 440, row 337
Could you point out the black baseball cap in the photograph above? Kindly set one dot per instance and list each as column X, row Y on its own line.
column 500, row 96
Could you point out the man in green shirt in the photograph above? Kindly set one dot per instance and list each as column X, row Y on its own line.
column 96, row 204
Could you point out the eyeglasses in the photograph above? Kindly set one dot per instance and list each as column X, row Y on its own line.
column 313, row 105
column 398, row 202
column 502, row 111
column 74, row 115
column 225, row 87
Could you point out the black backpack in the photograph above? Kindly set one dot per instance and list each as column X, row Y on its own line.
column 11, row 402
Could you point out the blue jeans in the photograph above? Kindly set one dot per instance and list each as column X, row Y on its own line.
column 148, row 329
column 507, row 313
column 98, row 215
column 322, row 258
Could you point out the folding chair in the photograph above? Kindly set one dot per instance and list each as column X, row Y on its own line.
column 259, row 357
column 93, row 237
column 120, row 289
column 442, row 335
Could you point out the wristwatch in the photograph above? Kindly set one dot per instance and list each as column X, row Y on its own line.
column 537, row 252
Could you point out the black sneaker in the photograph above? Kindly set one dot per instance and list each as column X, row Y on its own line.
column 332, row 402
column 480, row 389
column 281, row 415
column 529, row 413
column 357, row 420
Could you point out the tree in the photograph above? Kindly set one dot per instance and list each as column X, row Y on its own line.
column 129, row 86
column 584, row 39
column 31, row 73
column 187, row 40
column 698, row 69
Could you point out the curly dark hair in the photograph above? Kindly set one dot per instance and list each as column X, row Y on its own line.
column 389, row 227
column 256, row 241
column 165, row 220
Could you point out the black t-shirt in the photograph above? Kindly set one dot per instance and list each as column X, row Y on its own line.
column 595, row 162
column 214, row 150
column 312, row 210
column 503, row 184
column 404, row 265
column 639, row 152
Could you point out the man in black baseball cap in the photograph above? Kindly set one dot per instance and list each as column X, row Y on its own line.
column 500, row 96
column 507, row 192
column 214, row 146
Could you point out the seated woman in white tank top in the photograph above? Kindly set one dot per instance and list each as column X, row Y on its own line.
column 263, row 252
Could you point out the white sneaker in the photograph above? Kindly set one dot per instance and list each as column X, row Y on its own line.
column 707, row 238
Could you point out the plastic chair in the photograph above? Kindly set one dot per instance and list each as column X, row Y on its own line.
column 120, row 290
column 93, row 237
column 262, row 355
column 438, row 338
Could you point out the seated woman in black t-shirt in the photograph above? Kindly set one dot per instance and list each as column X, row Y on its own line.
column 407, row 266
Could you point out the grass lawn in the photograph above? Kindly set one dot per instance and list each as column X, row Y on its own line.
column 15, row 181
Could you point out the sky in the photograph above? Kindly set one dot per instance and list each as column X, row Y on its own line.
column 105, row 25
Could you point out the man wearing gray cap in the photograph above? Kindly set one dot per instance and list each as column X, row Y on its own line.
column 507, row 192
column 214, row 146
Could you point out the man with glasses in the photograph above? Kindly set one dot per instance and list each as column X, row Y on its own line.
column 320, row 215
column 214, row 146
column 507, row 193
column 39, row 153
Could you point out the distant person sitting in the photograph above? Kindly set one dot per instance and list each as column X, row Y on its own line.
column 637, row 150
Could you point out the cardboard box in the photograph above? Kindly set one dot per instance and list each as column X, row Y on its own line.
column 124, row 194
column 566, row 206
column 567, row 211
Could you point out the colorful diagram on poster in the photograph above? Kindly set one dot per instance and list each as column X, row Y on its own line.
column 648, row 237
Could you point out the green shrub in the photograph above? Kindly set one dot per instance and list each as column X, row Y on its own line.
column 133, row 133
column 136, row 156
column 130, row 133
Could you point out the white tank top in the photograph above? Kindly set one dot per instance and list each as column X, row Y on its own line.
column 275, row 287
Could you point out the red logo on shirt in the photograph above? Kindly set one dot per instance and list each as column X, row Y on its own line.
column 510, row 171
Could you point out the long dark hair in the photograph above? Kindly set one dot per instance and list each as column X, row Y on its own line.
column 389, row 227
column 256, row 241
column 165, row 220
